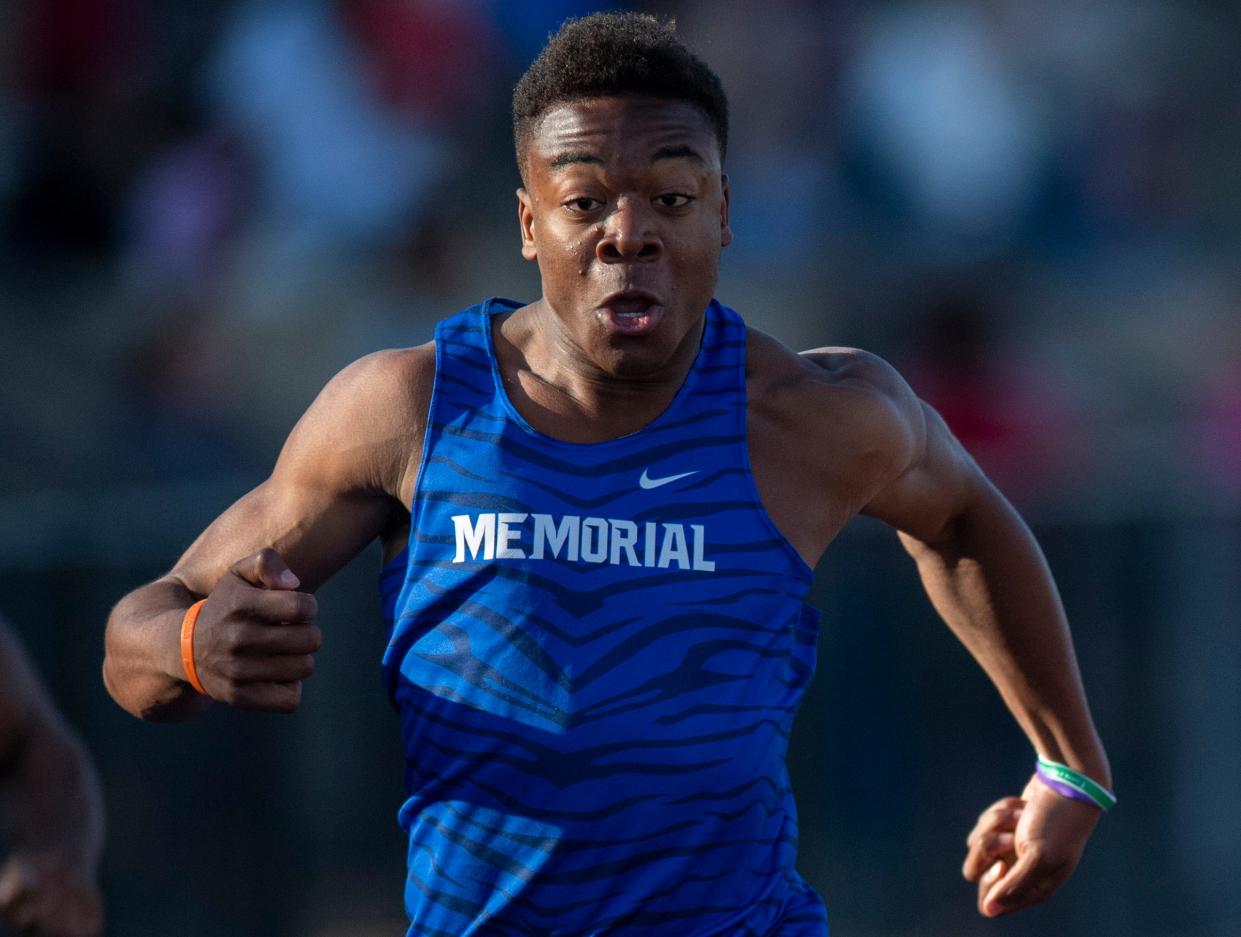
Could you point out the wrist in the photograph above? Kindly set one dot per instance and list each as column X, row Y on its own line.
column 1094, row 765
column 188, row 622
column 1073, row 784
column 175, row 699
column 1077, row 747
column 171, row 662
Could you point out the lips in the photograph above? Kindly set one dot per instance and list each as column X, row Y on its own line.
column 631, row 312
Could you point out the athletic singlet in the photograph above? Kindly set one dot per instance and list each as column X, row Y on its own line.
column 597, row 651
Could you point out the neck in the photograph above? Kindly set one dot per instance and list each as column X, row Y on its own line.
column 565, row 391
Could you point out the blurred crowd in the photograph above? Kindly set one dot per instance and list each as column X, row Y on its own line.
column 1032, row 208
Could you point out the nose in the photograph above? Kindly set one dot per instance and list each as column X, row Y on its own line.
column 629, row 234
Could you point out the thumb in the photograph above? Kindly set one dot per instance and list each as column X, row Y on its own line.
column 266, row 569
column 1010, row 890
column 987, row 880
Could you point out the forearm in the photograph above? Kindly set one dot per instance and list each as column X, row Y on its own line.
column 52, row 804
column 988, row 579
column 142, row 664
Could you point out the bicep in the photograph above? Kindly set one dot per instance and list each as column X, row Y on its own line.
column 895, row 459
column 315, row 528
column 335, row 486
column 935, row 487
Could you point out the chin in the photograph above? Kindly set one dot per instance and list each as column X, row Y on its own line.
column 630, row 357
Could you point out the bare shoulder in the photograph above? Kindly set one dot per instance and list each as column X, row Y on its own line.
column 394, row 376
column 367, row 422
column 855, row 391
column 829, row 366
column 849, row 412
column 857, row 370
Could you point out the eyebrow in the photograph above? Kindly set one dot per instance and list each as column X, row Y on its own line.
column 568, row 159
column 678, row 152
column 571, row 157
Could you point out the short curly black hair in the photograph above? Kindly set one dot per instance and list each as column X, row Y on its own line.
column 608, row 54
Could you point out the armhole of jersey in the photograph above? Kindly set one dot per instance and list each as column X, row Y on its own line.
column 415, row 502
column 399, row 564
column 744, row 419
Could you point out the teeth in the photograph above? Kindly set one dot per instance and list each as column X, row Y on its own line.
column 632, row 315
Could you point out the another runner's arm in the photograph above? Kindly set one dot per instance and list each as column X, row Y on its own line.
column 988, row 579
column 51, row 809
column 341, row 480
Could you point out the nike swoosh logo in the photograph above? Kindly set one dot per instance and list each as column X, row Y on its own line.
column 648, row 483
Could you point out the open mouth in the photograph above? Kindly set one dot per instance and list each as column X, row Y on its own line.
column 631, row 312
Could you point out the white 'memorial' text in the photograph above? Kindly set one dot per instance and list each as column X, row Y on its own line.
column 573, row 539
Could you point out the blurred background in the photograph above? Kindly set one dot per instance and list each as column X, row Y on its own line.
column 1032, row 207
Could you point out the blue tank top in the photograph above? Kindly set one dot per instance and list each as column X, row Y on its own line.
column 597, row 651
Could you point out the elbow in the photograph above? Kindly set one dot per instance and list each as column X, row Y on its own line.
column 112, row 682
column 946, row 539
column 177, row 706
column 116, row 690
column 980, row 522
column 952, row 532
column 146, row 695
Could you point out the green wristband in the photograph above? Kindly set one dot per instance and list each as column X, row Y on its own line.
column 1065, row 780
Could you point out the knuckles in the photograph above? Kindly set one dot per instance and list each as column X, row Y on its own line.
column 232, row 641
column 257, row 644
column 230, row 669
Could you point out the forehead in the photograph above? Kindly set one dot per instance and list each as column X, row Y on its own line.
column 630, row 127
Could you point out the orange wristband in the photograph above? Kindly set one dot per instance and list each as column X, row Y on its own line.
column 187, row 644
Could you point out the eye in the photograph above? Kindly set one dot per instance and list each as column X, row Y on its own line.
column 582, row 204
column 673, row 200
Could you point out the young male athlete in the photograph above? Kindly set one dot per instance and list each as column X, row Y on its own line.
column 601, row 511
column 51, row 809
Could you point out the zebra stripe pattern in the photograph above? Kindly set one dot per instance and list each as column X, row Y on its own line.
column 597, row 652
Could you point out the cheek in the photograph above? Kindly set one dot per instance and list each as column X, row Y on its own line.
column 566, row 260
column 695, row 248
column 573, row 250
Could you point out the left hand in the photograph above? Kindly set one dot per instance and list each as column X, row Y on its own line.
column 1023, row 848
column 43, row 897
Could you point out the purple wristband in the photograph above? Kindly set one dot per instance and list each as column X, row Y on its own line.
column 1061, row 788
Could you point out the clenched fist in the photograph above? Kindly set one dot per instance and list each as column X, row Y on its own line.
column 254, row 641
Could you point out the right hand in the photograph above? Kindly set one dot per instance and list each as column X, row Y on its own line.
column 254, row 641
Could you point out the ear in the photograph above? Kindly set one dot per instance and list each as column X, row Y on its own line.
column 726, row 232
column 525, row 218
